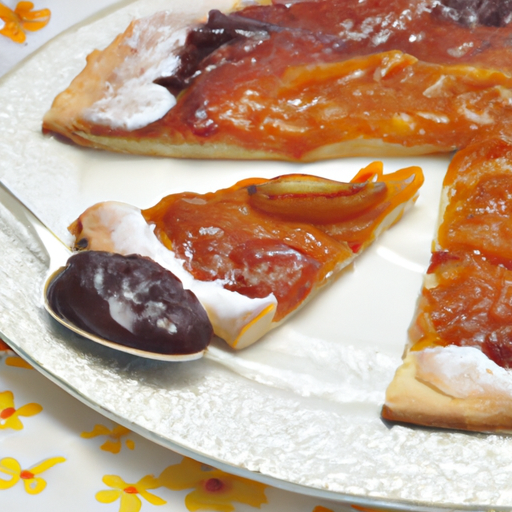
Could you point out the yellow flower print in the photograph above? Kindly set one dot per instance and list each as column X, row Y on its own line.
column 33, row 483
column 113, row 444
column 12, row 360
column 22, row 19
column 128, row 494
column 9, row 415
column 213, row 489
column 18, row 362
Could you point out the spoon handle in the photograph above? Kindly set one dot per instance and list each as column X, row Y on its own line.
column 58, row 252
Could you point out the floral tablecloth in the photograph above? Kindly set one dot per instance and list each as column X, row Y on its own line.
column 57, row 454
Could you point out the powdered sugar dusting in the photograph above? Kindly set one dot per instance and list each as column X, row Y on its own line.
column 463, row 372
column 132, row 100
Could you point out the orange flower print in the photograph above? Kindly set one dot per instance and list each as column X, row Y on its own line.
column 10, row 416
column 33, row 483
column 319, row 508
column 22, row 19
column 12, row 360
column 113, row 443
column 213, row 489
column 18, row 362
column 128, row 494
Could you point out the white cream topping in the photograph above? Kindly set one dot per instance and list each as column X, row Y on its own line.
column 462, row 372
column 133, row 106
column 120, row 227
column 436, row 117
column 439, row 89
column 132, row 100
column 121, row 313
column 483, row 118
column 119, row 304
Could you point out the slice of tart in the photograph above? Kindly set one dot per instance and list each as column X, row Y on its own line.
column 256, row 252
column 302, row 81
column 456, row 371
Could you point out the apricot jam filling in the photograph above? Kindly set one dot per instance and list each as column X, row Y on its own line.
column 468, row 297
column 230, row 237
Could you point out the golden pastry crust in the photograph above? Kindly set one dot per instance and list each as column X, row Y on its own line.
column 87, row 88
column 412, row 400
column 168, row 147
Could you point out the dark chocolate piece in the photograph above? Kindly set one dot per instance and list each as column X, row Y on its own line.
column 220, row 31
column 132, row 301
column 202, row 41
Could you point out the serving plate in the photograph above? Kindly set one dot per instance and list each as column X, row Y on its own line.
column 300, row 409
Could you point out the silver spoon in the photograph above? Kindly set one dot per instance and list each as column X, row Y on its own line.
column 59, row 254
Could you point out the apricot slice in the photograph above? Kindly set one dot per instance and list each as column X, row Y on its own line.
column 305, row 198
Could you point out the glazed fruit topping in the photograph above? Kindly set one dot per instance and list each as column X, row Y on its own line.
column 303, row 198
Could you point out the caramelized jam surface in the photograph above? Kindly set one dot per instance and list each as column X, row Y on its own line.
column 221, row 237
column 320, row 72
column 470, row 302
column 472, row 306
